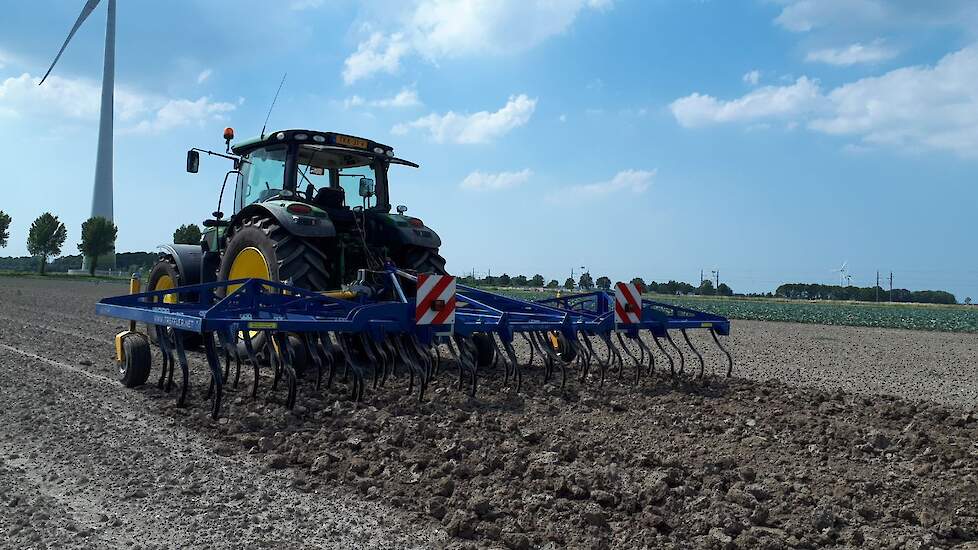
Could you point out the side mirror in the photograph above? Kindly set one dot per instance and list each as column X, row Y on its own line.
column 193, row 161
column 366, row 187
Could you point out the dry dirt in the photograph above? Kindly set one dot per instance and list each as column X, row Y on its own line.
column 802, row 449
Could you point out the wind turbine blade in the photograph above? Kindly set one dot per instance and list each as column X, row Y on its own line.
column 86, row 11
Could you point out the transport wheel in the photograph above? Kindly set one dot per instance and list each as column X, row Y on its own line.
column 260, row 248
column 165, row 276
column 560, row 344
column 485, row 350
column 134, row 370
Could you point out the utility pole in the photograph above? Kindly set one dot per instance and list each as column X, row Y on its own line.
column 891, row 286
column 701, row 276
column 877, row 286
column 717, row 272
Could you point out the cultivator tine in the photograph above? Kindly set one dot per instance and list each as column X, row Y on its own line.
column 217, row 381
column 506, row 353
column 713, row 333
column 672, row 364
column 551, row 357
column 184, row 368
column 696, row 351
column 645, row 350
column 426, row 366
column 639, row 363
column 253, row 357
column 467, row 362
column 682, row 359
column 324, row 350
column 167, row 367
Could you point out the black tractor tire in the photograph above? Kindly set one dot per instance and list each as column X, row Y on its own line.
column 423, row 260
column 135, row 367
column 485, row 349
column 289, row 259
column 165, row 266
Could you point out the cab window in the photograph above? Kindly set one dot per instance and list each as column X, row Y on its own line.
column 262, row 176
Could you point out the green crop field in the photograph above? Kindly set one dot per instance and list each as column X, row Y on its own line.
column 907, row 316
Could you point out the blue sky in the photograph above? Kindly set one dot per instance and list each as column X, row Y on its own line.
column 769, row 139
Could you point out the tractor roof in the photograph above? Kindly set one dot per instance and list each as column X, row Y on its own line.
column 313, row 137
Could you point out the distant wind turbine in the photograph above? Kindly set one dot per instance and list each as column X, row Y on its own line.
column 842, row 273
column 102, row 192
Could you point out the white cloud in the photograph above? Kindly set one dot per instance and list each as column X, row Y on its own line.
column 631, row 181
column 752, row 77
column 805, row 15
column 853, row 54
column 299, row 5
column 855, row 17
column 769, row 101
column 912, row 107
column 438, row 29
column 63, row 98
column 204, row 75
column 481, row 127
column 482, row 181
column 379, row 53
column 403, row 99
column 918, row 107
column 182, row 112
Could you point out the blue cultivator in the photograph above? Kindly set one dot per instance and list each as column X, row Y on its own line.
column 391, row 320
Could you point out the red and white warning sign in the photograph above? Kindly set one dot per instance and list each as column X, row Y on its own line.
column 628, row 304
column 435, row 300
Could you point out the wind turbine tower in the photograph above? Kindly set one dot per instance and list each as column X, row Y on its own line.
column 102, row 192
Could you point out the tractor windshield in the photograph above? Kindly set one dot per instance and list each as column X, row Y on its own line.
column 262, row 176
column 321, row 168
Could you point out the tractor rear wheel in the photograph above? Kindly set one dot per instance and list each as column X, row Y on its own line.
column 260, row 248
column 423, row 260
column 165, row 276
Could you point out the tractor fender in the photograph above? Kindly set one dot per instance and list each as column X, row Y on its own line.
column 188, row 258
column 397, row 229
column 300, row 226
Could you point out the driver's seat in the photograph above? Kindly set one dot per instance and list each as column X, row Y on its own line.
column 329, row 197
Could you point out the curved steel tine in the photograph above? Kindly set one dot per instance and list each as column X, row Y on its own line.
column 273, row 358
column 355, row 370
column 408, row 361
column 591, row 356
column 217, row 381
column 326, row 348
column 696, row 351
column 501, row 355
column 230, row 343
column 672, row 365
column 725, row 352
column 528, row 341
column 253, row 357
column 391, row 367
column 606, row 339
column 552, row 356
column 368, row 349
column 467, row 352
column 286, row 360
column 437, row 366
column 628, row 351
column 380, row 373
column 646, row 350
column 167, row 367
column 308, row 343
column 184, row 368
column 425, row 364
column 682, row 359
column 518, row 373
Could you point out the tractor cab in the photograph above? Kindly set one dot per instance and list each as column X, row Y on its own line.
column 311, row 207
column 331, row 171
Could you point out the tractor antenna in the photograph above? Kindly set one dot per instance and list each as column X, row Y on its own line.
column 274, row 99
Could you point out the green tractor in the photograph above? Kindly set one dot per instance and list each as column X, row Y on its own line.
column 310, row 209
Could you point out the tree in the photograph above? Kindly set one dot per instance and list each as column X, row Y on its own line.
column 640, row 284
column 504, row 280
column 520, row 281
column 187, row 234
column 45, row 238
column 97, row 239
column 603, row 283
column 586, row 281
column 967, row 301
column 706, row 288
column 4, row 228
column 553, row 283
column 537, row 281
column 724, row 290
column 569, row 284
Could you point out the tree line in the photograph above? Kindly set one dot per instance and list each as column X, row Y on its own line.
column 814, row 291
column 47, row 235
column 587, row 282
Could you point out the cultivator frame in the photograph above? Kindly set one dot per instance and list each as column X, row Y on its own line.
column 375, row 326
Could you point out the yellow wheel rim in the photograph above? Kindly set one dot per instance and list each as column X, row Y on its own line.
column 166, row 283
column 250, row 263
